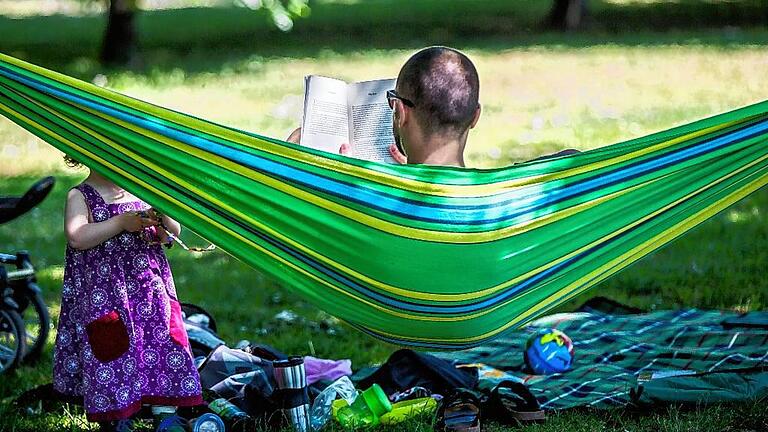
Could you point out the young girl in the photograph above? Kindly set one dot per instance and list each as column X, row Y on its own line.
column 121, row 341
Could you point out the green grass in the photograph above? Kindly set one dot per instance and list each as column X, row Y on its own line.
column 718, row 265
column 642, row 66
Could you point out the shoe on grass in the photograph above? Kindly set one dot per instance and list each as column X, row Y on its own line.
column 125, row 425
column 171, row 423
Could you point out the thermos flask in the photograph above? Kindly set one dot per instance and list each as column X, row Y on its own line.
column 291, row 392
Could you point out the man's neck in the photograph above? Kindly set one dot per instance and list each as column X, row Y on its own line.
column 437, row 150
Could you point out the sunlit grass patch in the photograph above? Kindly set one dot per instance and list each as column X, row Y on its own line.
column 534, row 100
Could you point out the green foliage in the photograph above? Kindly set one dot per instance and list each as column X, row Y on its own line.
column 282, row 12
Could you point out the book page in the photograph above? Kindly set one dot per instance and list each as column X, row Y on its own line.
column 370, row 120
column 325, row 126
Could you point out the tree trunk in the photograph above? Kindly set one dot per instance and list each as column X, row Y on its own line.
column 567, row 15
column 120, row 44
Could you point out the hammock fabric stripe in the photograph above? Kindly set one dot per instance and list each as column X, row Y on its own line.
column 427, row 256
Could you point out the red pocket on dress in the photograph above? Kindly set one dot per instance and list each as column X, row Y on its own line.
column 108, row 337
column 176, row 328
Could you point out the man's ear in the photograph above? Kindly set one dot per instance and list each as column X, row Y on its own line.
column 476, row 117
column 402, row 115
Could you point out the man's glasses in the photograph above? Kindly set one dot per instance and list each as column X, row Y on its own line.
column 392, row 95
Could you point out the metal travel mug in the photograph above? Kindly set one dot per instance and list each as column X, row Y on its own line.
column 291, row 385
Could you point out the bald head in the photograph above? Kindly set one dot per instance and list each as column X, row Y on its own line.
column 444, row 86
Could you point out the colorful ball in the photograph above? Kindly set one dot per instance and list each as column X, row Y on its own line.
column 549, row 351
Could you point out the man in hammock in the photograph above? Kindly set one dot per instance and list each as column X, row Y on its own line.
column 435, row 103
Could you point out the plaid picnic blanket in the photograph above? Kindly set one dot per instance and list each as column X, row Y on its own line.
column 611, row 351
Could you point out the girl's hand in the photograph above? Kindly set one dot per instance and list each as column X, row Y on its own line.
column 162, row 237
column 169, row 224
column 82, row 233
column 133, row 221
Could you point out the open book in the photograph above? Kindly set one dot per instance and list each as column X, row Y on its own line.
column 356, row 114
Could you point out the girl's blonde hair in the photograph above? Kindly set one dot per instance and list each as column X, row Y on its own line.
column 72, row 162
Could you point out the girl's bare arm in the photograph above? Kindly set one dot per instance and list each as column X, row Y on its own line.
column 82, row 234
column 172, row 226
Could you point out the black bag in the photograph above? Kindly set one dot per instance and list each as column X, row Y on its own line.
column 244, row 379
column 201, row 330
column 406, row 369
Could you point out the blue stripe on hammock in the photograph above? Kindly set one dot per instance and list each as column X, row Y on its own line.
column 402, row 207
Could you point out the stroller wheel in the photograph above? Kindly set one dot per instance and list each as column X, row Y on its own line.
column 12, row 339
column 37, row 325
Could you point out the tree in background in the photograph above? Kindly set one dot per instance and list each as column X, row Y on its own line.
column 120, row 44
column 567, row 15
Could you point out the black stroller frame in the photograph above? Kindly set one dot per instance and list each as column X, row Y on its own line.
column 24, row 320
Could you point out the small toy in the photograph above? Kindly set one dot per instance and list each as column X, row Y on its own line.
column 549, row 351
column 366, row 410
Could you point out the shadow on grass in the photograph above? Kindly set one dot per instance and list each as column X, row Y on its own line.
column 200, row 40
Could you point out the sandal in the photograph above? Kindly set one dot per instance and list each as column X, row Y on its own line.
column 459, row 412
column 518, row 403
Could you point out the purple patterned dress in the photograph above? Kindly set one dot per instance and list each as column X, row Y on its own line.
column 121, row 341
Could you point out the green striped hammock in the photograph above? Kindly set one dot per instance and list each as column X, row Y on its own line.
column 417, row 255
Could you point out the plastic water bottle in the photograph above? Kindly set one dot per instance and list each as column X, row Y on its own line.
column 366, row 410
column 228, row 411
column 206, row 423
column 322, row 408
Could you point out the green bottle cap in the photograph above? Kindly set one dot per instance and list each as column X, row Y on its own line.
column 377, row 400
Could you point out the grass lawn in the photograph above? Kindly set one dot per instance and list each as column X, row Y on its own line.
column 540, row 92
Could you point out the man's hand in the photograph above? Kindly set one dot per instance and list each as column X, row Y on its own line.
column 346, row 149
column 399, row 158
column 567, row 152
column 561, row 153
column 295, row 136
column 397, row 155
